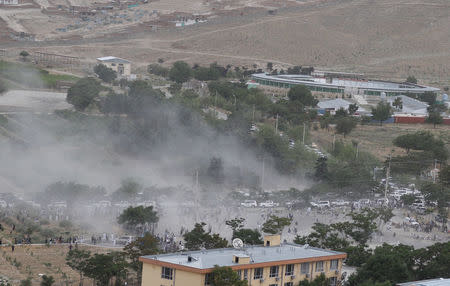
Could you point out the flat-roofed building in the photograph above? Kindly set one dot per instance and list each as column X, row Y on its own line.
column 275, row 265
column 429, row 282
column 120, row 66
column 338, row 84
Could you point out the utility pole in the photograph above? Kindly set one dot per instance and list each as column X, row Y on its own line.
column 388, row 173
column 357, row 150
column 276, row 125
column 334, row 140
column 263, row 172
column 253, row 114
column 304, row 129
column 434, row 171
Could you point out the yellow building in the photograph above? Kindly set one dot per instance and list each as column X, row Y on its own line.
column 273, row 264
column 120, row 66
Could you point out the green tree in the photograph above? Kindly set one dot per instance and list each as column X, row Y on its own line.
column 26, row 282
column 302, row 94
column 146, row 245
column 398, row 103
column 411, row 79
column 345, row 125
column 341, row 112
column 236, row 223
column 435, row 118
column 47, row 280
column 275, row 224
column 129, row 189
column 180, row 72
column 158, row 70
column 24, row 55
column 444, row 176
column 433, row 261
column 225, row 276
column 388, row 263
column 320, row 280
column 248, row 236
column 321, row 169
column 198, row 238
column 77, row 260
column 423, row 141
column 3, row 87
column 132, row 217
column 103, row 267
column 352, row 108
column 83, row 93
column 216, row 171
column 408, row 199
column 104, row 73
column 382, row 112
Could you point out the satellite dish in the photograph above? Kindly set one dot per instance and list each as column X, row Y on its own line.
column 238, row 243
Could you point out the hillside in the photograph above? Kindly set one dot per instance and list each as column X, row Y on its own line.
column 381, row 38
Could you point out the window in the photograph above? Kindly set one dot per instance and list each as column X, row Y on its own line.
column 258, row 273
column 334, row 264
column 304, row 269
column 273, row 284
column 274, row 271
column 167, row 273
column 239, row 273
column 208, row 278
column 245, row 274
column 289, row 270
column 333, row 281
column 289, row 284
column 319, row 266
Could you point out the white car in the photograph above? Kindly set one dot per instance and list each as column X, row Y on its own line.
column 124, row 240
column 322, row 204
column 340, row 203
column 364, row 201
column 268, row 204
column 383, row 201
column 249, row 203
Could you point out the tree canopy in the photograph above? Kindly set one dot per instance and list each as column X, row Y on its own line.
column 198, row 238
column 137, row 216
column 275, row 224
column 83, row 92
column 180, row 72
column 105, row 73
column 345, row 125
column 302, row 94
column 225, row 276
column 382, row 111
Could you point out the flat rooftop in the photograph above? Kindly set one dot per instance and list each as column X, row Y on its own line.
column 207, row 259
column 113, row 60
column 343, row 83
column 430, row 282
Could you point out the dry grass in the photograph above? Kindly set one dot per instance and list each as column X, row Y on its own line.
column 32, row 260
column 385, row 39
column 377, row 140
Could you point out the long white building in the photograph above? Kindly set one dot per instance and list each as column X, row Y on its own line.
column 341, row 83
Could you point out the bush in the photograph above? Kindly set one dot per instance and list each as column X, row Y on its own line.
column 158, row 70
column 65, row 224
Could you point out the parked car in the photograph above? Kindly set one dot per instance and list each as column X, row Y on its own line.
column 340, row 203
column 382, row 201
column 124, row 240
column 267, row 204
column 249, row 203
column 364, row 201
column 323, row 204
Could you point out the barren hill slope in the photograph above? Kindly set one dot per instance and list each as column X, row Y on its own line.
column 383, row 38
